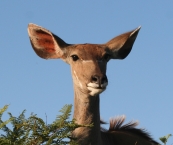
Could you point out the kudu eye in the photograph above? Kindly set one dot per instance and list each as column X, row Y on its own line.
column 75, row 57
column 106, row 57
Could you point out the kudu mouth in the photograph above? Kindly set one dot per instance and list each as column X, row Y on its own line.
column 97, row 85
column 96, row 89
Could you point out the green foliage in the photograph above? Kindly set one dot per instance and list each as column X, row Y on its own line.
column 164, row 139
column 1, row 112
column 34, row 131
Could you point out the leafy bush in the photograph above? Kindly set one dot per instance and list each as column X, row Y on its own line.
column 34, row 131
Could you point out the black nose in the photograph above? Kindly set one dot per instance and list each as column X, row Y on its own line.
column 99, row 79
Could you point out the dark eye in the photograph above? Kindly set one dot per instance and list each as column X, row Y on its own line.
column 106, row 57
column 75, row 57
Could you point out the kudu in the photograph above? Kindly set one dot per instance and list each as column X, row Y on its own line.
column 88, row 67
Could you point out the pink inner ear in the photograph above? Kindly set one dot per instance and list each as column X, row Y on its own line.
column 45, row 40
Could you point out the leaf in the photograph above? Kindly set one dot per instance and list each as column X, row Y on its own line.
column 61, row 119
column 164, row 139
column 3, row 123
column 3, row 109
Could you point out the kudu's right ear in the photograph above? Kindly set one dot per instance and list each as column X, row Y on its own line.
column 46, row 44
column 121, row 45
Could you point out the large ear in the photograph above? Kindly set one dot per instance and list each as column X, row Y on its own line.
column 46, row 44
column 121, row 45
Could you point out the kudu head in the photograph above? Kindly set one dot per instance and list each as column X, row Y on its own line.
column 88, row 61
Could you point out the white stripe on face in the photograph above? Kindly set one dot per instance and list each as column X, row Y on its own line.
column 85, row 61
column 78, row 80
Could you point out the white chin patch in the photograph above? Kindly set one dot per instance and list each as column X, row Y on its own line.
column 95, row 89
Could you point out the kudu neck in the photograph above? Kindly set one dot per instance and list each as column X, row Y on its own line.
column 86, row 111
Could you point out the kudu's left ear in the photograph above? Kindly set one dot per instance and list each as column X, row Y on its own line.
column 121, row 45
column 46, row 44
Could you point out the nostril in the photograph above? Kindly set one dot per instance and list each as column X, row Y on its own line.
column 104, row 79
column 95, row 79
column 98, row 79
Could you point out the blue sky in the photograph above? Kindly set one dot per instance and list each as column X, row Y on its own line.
column 141, row 86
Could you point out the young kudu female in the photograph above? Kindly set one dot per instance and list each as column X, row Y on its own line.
column 88, row 67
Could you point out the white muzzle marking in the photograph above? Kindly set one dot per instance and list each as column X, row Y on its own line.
column 95, row 89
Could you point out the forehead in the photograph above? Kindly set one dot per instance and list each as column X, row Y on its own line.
column 88, row 51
